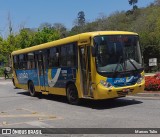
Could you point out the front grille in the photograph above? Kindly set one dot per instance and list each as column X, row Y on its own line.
column 121, row 93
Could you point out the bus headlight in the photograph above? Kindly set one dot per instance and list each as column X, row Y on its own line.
column 106, row 84
column 139, row 81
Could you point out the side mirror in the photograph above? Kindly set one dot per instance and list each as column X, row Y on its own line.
column 93, row 51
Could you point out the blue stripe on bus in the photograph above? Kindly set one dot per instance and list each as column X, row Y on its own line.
column 65, row 74
column 24, row 75
column 125, row 81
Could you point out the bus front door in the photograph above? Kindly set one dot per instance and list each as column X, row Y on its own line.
column 41, row 67
column 85, row 69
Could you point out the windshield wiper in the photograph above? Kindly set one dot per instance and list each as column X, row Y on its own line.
column 132, row 64
column 119, row 61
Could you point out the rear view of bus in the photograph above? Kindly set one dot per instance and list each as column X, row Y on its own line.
column 118, row 65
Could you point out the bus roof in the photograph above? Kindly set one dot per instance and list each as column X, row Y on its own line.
column 79, row 37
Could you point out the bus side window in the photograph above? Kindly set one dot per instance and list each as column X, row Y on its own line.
column 31, row 61
column 16, row 61
column 54, row 57
column 68, row 56
column 22, row 62
column 47, row 57
column 25, row 61
column 63, row 56
column 71, row 55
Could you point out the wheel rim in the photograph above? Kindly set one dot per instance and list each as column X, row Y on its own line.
column 72, row 95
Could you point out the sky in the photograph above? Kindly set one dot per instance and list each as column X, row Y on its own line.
column 32, row 13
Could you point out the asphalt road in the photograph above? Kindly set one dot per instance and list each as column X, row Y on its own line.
column 19, row 110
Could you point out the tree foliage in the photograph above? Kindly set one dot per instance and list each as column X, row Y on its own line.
column 81, row 18
column 132, row 2
column 26, row 38
column 134, row 6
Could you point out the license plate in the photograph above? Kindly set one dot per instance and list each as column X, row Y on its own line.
column 126, row 90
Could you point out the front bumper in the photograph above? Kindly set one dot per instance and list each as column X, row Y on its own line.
column 102, row 92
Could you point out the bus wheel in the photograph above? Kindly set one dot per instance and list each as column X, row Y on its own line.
column 72, row 95
column 31, row 89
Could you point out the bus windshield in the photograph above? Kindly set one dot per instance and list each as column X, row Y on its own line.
column 117, row 53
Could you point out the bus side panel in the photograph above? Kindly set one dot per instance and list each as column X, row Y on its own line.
column 23, row 76
column 17, row 83
column 58, row 79
column 57, row 91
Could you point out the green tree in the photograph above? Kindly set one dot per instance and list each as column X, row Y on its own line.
column 61, row 29
column 134, row 8
column 81, row 18
column 79, row 24
column 133, row 3
column 1, row 50
column 45, row 35
column 45, row 25
column 6, row 49
column 24, row 39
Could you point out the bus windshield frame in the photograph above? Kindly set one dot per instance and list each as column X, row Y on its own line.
column 117, row 54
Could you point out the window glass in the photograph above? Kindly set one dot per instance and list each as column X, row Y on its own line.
column 16, row 62
column 63, row 59
column 30, row 56
column 71, row 58
column 54, row 57
column 31, row 65
column 68, row 55
column 117, row 53
column 21, row 58
column 15, row 59
column 31, row 61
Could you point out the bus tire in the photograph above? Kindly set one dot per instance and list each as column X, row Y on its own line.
column 72, row 95
column 31, row 89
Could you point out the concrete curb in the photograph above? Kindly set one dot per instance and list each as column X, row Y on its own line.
column 149, row 94
column 146, row 95
column 143, row 98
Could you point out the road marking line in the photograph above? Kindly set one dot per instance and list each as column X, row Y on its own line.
column 12, row 124
column 39, row 117
column 27, row 115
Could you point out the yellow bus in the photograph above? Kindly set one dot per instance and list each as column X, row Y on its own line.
column 95, row 65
